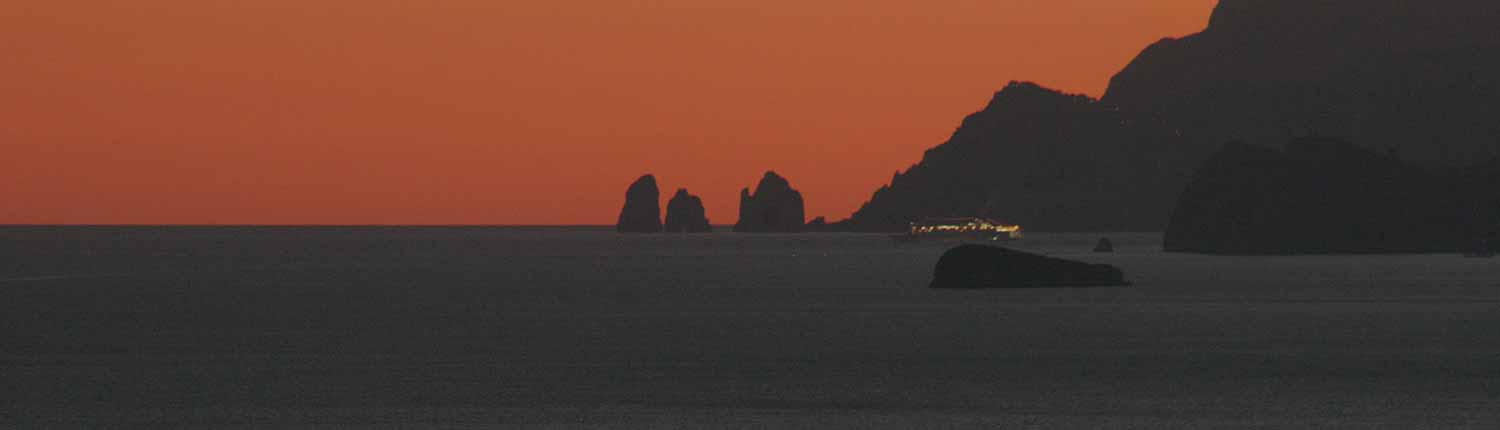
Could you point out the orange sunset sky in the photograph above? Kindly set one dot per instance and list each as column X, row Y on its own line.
column 508, row 112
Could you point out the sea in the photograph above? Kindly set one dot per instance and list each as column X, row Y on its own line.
column 582, row 327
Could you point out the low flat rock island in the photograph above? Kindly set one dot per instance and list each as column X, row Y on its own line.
column 979, row 266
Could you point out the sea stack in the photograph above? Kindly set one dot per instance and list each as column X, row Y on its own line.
column 978, row 266
column 685, row 214
column 819, row 224
column 642, row 212
column 775, row 207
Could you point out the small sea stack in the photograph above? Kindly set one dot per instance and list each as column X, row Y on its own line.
column 979, row 266
column 685, row 214
column 1104, row 245
column 819, row 224
column 642, row 211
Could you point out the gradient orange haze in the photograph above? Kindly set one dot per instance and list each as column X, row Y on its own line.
column 507, row 112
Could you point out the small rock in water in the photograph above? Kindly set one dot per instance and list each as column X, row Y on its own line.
column 1104, row 245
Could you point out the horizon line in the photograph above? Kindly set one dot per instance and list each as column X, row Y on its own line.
column 5, row 225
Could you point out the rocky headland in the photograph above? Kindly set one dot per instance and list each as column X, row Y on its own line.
column 1416, row 78
column 1322, row 195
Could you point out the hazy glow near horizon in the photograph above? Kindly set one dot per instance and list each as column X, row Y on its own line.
column 485, row 112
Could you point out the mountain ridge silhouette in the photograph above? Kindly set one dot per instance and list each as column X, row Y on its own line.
column 1420, row 80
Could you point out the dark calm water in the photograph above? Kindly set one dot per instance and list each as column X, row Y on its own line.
column 584, row 328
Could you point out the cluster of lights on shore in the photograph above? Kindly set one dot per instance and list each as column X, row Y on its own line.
column 964, row 225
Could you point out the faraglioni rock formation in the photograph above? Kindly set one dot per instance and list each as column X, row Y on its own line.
column 1324, row 195
column 775, row 207
column 642, row 211
column 1417, row 77
column 685, row 214
column 979, row 266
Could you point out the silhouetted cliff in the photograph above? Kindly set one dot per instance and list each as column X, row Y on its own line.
column 1329, row 196
column 1419, row 78
column 685, row 214
column 774, row 207
column 1046, row 160
column 642, row 211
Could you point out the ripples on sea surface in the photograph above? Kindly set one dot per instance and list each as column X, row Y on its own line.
column 584, row 328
